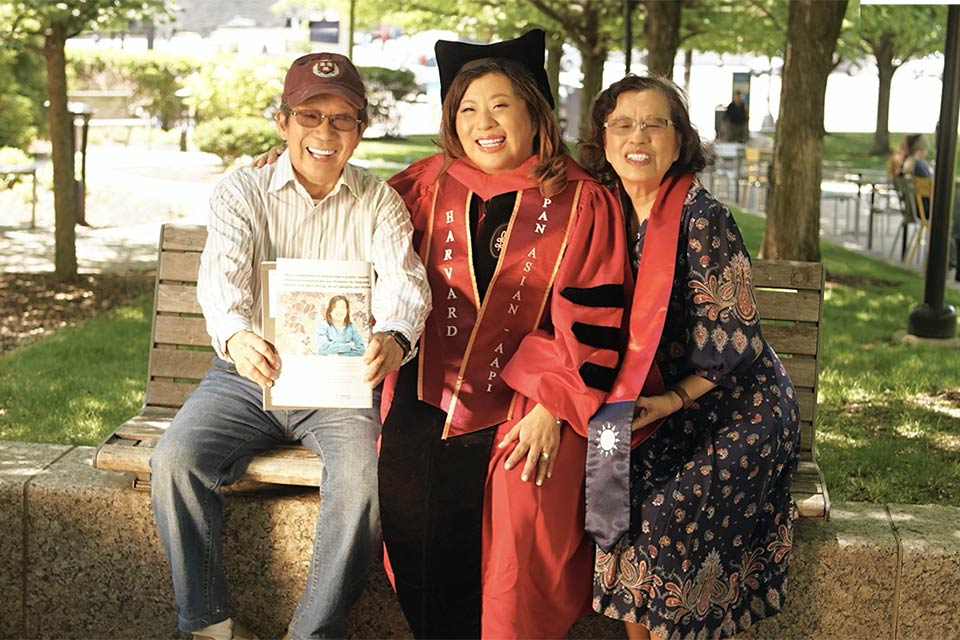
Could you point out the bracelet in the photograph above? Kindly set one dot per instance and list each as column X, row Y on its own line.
column 683, row 395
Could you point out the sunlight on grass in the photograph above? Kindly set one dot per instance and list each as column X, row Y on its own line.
column 78, row 384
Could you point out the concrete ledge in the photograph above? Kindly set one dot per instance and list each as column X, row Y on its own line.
column 19, row 463
column 80, row 559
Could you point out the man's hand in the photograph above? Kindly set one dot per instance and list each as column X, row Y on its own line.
column 255, row 358
column 382, row 356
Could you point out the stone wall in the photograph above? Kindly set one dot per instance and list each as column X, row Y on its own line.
column 80, row 559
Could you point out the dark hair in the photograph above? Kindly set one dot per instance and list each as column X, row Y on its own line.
column 693, row 156
column 333, row 301
column 551, row 171
column 363, row 115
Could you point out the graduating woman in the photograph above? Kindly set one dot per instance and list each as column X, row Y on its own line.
column 481, row 463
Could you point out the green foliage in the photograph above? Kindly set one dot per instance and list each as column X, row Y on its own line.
column 93, row 379
column 236, row 87
column 906, row 31
column 385, row 88
column 232, row 138
column 18, row 113
column 153, row 79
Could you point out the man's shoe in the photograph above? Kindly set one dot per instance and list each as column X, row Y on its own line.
column 226, row 630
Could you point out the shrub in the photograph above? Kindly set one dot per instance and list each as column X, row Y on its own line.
column 236, row 88
column 19, row 115
column 154, row 80
column 385, row 88
column 231, row 138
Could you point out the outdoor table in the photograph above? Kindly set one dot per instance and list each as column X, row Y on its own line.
column 25, row 170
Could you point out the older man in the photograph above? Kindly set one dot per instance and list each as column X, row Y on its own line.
column 309, row 204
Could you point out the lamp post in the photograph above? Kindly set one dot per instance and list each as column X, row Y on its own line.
column 932, row 319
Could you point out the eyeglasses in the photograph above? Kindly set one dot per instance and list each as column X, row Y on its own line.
column 339, row 121
column 624, row 126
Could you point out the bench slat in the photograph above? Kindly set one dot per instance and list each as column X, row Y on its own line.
column 177, row 298
column 803, row 306
column 180, row 330
column 787, row 274
column 167, row 393
column 181, row 237
column 798, row 339
column 803, row 371
column 179, row 363
column 278, row 466
column 179, row 266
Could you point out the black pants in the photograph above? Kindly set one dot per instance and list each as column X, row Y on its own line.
column 431, row 509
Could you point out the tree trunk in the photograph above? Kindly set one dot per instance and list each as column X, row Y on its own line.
column 661, row 29
column 687, row 67
column 881, row 137
column 62, row 154
column 554, row 53
column 593, row 54
column 793, row 214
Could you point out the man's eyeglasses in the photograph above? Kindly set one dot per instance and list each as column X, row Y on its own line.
column 339, row 121
column 623, row 125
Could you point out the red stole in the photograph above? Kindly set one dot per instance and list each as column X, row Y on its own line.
column 465, row 345
column 651, row 298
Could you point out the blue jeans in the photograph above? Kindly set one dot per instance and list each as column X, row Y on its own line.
column 221, row 426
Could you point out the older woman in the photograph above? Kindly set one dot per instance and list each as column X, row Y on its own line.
column 704, row 546
column 481, row 464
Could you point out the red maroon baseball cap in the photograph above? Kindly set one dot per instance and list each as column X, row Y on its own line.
column 319, row 73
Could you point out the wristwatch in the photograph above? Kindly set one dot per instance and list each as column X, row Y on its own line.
column 401, row 340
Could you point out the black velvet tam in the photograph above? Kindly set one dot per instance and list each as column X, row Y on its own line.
column 527, row 51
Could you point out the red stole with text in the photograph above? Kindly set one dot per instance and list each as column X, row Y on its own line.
column 466, row 344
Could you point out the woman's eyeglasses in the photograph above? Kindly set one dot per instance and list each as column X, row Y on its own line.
column 340, row 121
column 623, row 125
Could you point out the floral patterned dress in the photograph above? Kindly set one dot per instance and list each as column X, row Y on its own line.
column 711, row 511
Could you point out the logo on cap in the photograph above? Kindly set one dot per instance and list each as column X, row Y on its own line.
column 326, row 69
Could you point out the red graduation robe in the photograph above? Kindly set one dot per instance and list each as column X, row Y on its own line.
column 565, row 336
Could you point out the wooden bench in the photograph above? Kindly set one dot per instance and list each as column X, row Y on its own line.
column 789, row 295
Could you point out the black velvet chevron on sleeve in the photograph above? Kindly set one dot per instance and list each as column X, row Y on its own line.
column 604, row 295
column 597, row 377
column 597, row 336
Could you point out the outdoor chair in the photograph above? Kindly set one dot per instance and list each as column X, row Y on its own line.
column 756, row 163
column 914, row 213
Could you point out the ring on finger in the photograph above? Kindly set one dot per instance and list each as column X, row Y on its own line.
column 544, row 456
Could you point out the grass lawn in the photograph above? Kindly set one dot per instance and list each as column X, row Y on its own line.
column 854, row 148
column 889, row 415
column 888, row 421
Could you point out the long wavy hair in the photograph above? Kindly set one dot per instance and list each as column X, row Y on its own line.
column 333, row 302
column 693, row 156
column 550, row 171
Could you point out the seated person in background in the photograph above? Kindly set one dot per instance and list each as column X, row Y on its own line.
column 336, row 335
column 909, row 158
column 915, row 164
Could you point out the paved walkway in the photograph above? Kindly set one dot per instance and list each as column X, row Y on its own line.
column 131, row 191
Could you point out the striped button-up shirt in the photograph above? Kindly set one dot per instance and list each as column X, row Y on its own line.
column 259, row 215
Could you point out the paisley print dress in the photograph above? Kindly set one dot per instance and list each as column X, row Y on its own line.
column 711, row 512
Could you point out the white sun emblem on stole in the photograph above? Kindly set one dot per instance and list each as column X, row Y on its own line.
column 608, row 439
